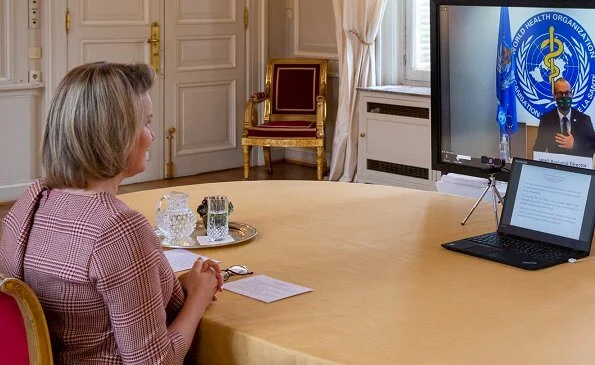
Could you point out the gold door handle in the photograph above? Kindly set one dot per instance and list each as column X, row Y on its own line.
column 154, row 42
column 362, row 134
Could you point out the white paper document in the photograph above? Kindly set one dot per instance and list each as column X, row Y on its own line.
column 264, row 288
column 206, row 241
column 180, row 259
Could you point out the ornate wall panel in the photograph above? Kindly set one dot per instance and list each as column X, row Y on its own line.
column 120, row 50
column 314, row 29
column 114, row 12
column 19, row 140
column 5, row 41
column 206, row 11
column 214, row 103
column 206, row 53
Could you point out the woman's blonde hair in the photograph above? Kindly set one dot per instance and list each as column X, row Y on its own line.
column 94, row 120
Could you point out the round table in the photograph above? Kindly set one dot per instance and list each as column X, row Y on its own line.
column 384, row 289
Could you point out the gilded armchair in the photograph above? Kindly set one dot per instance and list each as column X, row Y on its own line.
column 24, row 336
column 294, row 111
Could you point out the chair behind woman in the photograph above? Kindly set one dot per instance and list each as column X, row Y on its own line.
column 24, row 336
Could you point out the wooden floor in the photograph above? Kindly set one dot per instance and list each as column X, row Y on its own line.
column 281, row 171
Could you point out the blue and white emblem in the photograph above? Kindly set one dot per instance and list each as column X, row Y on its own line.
column 548, row 46
column 501, row 116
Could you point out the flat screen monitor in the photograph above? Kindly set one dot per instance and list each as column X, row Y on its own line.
column 494, row 65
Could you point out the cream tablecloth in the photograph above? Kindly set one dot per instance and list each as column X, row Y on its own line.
column 385, row 292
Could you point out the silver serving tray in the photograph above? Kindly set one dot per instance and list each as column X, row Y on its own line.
column 240, row 232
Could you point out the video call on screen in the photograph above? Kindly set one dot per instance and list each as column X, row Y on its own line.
column 545, row 44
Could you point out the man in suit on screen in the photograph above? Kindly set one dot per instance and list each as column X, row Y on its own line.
column 564, row 129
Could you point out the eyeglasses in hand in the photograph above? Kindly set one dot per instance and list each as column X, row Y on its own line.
column 235, row 270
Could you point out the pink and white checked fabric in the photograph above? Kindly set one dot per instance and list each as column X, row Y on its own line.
column 107, row 290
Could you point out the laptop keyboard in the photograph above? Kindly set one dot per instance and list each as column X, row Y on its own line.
column 523, row 247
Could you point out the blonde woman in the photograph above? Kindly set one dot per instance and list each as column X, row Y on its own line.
column 108, row 292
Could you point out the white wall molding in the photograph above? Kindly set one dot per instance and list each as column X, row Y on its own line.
column 18, row 39
column 256, row 46
column 6, row 38
column 11, row 192
column 317, row 39
column 21, row 133
column 18, row 88
column 117, row 17
column 206, row 12
column 54, row 45
column 257, row 57
column 20, row 102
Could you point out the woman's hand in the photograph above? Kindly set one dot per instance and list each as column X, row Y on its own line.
column 202, row 285
column 212, row 265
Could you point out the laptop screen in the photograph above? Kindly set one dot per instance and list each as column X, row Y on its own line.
column 550, row 203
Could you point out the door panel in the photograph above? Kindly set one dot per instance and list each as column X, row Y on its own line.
column 214, row 102
column 114, row 12
column 121, row 50
column 117, row 31
column 201, row 88
column 207, row 11
column 205, row 83
column 206, row 53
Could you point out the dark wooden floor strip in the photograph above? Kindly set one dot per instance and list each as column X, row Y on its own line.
column 281, row 171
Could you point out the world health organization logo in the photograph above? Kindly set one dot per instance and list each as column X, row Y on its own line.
column 548, row 46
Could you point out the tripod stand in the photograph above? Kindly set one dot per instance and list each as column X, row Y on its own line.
column 495, row 194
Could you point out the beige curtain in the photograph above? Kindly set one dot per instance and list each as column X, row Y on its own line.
column 357, row 24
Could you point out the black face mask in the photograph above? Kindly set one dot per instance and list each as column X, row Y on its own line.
column 564, row 102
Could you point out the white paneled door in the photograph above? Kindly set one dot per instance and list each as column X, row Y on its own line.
column 205, row 83
column 200, row 89
column 118, row 30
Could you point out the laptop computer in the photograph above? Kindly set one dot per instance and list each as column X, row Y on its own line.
column 547, row 219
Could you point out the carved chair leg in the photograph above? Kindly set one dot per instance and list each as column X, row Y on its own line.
column 267, row 159
column 320, row 162
column 247, row 150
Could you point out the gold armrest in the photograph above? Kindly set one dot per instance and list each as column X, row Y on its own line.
column 259, row 97
column 250, row 111
column 320, row 115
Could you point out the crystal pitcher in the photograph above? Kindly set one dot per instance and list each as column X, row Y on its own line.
column 177, row 221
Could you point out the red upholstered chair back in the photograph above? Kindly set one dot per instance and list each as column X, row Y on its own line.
column 293, row 86
column 24, row 337
column 294, row 111
column 13, row 337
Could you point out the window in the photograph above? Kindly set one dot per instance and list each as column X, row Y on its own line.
column 418, row 40
column 403, row 44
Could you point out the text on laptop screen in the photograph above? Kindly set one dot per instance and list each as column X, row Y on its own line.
column 551, row 201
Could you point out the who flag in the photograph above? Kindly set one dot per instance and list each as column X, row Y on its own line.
column 505, row 77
